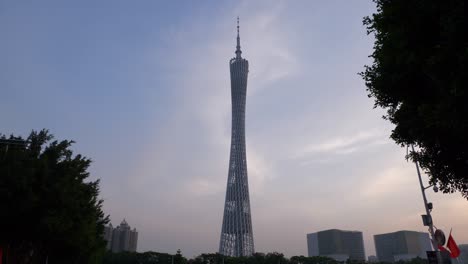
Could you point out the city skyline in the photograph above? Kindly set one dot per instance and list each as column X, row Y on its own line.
column 121, row 238
column 143, row 89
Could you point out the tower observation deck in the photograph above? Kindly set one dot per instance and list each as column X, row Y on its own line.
column 236, row 233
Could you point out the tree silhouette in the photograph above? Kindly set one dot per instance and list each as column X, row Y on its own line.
column 50, row 210
column 419, row 75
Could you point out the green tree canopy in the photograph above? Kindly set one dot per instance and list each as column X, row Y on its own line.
column 50, row 210
column 419, row 75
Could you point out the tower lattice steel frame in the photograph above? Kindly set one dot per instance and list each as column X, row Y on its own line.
column 236, row 233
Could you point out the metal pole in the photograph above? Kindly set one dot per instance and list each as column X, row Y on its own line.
column 428, row 212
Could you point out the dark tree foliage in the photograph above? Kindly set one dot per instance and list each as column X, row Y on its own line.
column 420, row 76
column 260, row 258
column 416, row 260
column 312, row 260
column 216, row 258
column 49, row 211
column 149, row 257
column 178, row 258
column 210, row 258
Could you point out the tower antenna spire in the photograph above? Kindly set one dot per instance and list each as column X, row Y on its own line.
column 238, row 47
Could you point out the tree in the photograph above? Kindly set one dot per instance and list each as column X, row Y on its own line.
column 313, row 260
column 178, row 258
column 148, row 257
column 49, row 209
column 275, row 258
column 419, row 75
column 211, row 258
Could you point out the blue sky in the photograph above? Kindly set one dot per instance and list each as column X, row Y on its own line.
column 143, row 88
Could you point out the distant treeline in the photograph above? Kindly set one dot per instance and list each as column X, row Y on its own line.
column 215, row 258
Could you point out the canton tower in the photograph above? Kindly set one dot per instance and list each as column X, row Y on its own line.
column 236, row 233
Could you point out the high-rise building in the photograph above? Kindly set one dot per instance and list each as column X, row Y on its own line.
column 236, row 233
column 402, row 245
column 340, row 245
column 108, row 230
column 115, row 243
column 121, row 238
column 133, row 241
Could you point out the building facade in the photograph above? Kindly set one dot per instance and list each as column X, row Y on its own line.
column 108, row 231
column 121, row 238
column 463, row 258
column 236, row 232
column 372, row 259
column 402, row 245
column 340, row 245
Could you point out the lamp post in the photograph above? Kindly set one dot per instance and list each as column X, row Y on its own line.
column 426, row 205
column 427, row 219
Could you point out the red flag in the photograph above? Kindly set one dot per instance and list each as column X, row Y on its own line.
column 454, row 250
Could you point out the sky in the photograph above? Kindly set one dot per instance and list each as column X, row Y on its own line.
column 143, row 88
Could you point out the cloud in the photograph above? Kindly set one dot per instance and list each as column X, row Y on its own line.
column 259, row 169
column 344, row 145
column 388, row 182
column 206, row 95
column 203, row 187
column 167, row 160
column 188, row 162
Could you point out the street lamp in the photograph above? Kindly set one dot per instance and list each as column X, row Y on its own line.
column 427, row 218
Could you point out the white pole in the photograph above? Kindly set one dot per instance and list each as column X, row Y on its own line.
column 428, row 212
